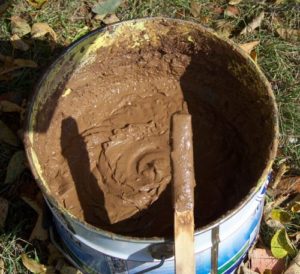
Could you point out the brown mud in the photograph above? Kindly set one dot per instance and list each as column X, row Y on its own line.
column 106, row 152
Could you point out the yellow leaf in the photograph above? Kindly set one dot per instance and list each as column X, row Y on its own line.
column 281, row 216
column 3, row 211
column 19, row 26
column 41, row 29
column 255, row 23
column 248, row 47
column 288, row 34
column 33, row 265
column 110, row 19
column 281, row 245
column 7, row 106
column 1, row 266
column 234, row 2
column 36, row 3
column 18, row 43
column 195, row 8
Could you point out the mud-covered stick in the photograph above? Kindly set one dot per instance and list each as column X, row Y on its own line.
column 183, row 189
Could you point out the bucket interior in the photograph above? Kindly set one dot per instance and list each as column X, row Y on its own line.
column 99, row 127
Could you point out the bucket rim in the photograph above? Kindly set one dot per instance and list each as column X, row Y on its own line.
column 263, row 178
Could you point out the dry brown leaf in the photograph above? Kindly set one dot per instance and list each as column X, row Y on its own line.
column 224, row 28
column 294, row 267
column 7, row 106
column 33, row 265
column 41, row 29
column 288, row 34
column 37, row 3
column 289, row 185
column 253, row 55
column 38, row 232
column 255, row 23
column 11, row 64
column 18, row 43
column 262, row 259
column 3, row 211
column 1, row 266
column 3, row 7
column 195, row 8
column 54, row 254
column 19, row 26
column 248, row 47
column 66, row 269
column 110, row 19
column 234, row 2
column 231, row 11
column 283, row 168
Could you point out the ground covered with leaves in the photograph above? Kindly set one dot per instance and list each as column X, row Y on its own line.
column 34, row 32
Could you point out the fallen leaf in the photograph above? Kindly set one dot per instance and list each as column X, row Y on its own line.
column 224, row 28
column 261, row 259
column 234, row 2
column 294, row 266
column 2, row 269
column 33, row 265
column 107, row 7
column 281, row 245
column 19, row 26
column 281, row 216
column 37, row 3
column 7, row 106
column 41, row 29
column 38, row 232
column 289, row 185
column 54, row 254
column 11, row 64
column 110, row 19
column 3, row 7
column 218, row 10
column 3, row 211
column 18, row 43
column 231, row 11
column 283, row 168
column 16, row 166
column 195, row 8
column 7, row 136
column 288, row 34
column 255, row 23
column 253, row 55
column 296, row 207
column 66, row 269
column 248, row 47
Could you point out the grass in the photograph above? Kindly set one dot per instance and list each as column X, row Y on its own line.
column 70, row 19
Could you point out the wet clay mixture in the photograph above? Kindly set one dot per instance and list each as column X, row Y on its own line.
column 106, row 151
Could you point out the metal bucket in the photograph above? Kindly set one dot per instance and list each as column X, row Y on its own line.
column 219, row 246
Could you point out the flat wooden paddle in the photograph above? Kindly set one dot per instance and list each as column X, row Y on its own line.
column 183, row 189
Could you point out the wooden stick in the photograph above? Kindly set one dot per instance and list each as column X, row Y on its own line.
column 184, row 183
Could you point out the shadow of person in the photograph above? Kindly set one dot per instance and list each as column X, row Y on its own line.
column 89, row 194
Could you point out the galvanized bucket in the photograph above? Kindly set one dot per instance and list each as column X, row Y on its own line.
column 219, row 246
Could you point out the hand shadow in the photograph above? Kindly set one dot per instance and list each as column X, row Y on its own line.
column 90, row 195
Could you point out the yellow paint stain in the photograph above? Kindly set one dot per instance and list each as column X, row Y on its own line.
column 66, row 92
